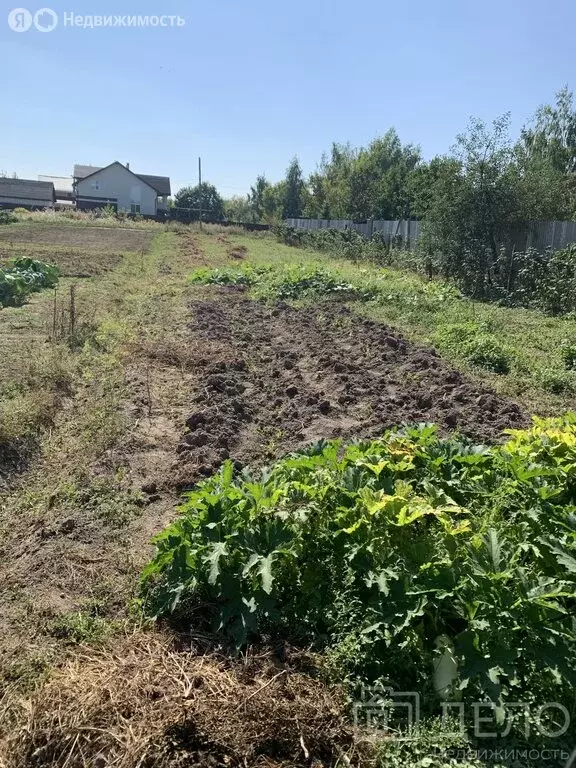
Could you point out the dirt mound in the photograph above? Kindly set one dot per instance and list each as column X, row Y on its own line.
column 238, row 252
column 152, row 705
column 274, row 377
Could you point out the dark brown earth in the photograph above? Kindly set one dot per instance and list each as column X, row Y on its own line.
column 270, row 378
column 72, row 263
column 96, row 238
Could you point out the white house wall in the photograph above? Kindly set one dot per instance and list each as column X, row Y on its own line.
column 117, row 183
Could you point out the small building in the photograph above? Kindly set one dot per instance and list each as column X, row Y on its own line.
column 119, row 187
column 23, row 193
column 62, row 186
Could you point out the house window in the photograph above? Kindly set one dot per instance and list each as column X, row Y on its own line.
column 135, row 208
column 95, row 185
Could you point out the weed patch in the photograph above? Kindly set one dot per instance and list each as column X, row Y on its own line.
column 83, row 628
column 7, row 217
column 556, row 381
column 476, row 345
column 287, row 282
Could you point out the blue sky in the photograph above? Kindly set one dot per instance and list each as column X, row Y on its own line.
column 247, row 85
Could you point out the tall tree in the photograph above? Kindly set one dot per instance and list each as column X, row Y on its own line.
column 473, row 204
column 330, row 185
column 256, row 197
column 424, row 182
column 552, row 134
column 294, row 191
column 546, row 154
column 378, row 178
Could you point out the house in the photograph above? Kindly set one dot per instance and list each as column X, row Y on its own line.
column 23, row 193
column 116, row 185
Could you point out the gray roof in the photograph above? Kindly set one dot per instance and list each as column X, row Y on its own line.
column 160, row 183
column 39, row 191
column 81, row 171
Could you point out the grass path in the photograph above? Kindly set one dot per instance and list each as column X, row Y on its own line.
column 75, row 527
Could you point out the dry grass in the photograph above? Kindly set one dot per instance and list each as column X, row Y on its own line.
column 96, row 218
column 149, row 703
column 93, row 424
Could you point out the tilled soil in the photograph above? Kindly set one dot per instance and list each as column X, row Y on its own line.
column 91, row 238
column 271, row 378
column 70, row 262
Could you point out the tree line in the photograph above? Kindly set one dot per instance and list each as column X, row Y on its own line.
column 487, row 174
column 468, row 200
column 531, row 177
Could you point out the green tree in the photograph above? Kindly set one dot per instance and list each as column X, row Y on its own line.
column 425, row 180
column 190, row 200
column 552, row 134
column 473, row 204
column 239, row 208
column 546, row 153
column 293, row 199
column 379, row 176
column 329, row 196
column 256, row 196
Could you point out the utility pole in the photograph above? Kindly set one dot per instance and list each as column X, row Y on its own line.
column 200, row 188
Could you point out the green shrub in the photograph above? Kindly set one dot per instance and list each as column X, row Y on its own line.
column 377, row 549
column 245, row 276
column 7, row 217
column 568, row 349
column 349, row 244
column 545, row 281
column 476, row 346
column 556, row 381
